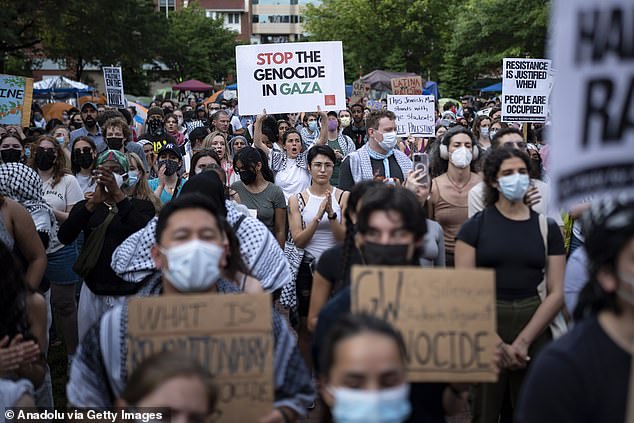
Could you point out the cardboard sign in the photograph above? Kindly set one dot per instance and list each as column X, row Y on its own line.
column 375, row 105
column 526, row 86
column 408, row 85
column 359, row 91
column 231, row 335
column 113, row 80
column 290, row 77
column 414, row 114
column 447, row 318
column 592, row 134
column 16, row 95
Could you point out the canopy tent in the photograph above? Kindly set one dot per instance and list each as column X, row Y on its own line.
column 379, row 80
column 60, row 87
column 193, row 85
column 495, row 88
column 54, row 110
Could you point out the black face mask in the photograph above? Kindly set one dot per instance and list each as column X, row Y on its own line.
column 114, row 143
column 247, row 176
column 170, row 166
column 11, row 155
column 83, row 160
column 44, row 160
column 385, row 255
column 155, row 127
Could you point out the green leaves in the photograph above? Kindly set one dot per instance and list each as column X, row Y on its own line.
column 196, row 47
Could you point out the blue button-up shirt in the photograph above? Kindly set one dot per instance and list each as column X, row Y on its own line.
column 97, row 139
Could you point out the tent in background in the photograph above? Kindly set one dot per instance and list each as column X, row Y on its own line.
column 60, row 87
column 193, row 85
column 54, row 110
column 495, row 88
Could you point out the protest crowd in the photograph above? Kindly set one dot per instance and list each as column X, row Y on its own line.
column 100, row 214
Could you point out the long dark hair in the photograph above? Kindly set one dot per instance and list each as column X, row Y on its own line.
column 492, row 165
column 14, row 318
column 438, row 165
column 351, row 325
column 74, row 167
column 250, row 157
column 357, row 192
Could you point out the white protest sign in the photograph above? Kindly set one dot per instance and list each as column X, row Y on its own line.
column 113, row 80
column 291, row 77
column 414, row 113
column 525, row 89
column 592, row 136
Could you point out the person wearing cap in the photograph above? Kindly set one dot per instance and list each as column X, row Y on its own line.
column 91, row 128
column 168, row 183
column 154, row 125
column 584, row 376
column 103, row 288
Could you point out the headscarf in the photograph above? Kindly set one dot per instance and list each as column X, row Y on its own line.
column 114, row 156
column 22, row 184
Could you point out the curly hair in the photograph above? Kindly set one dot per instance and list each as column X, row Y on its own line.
column 492, row 165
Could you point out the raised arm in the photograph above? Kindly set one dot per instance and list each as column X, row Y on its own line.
column 257, row 134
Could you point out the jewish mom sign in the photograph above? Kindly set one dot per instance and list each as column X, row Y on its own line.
column 292, row 77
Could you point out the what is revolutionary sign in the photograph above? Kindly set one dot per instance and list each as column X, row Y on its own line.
column 113, row 80
column 592, row 137
column 525, row 90
column 290, row 77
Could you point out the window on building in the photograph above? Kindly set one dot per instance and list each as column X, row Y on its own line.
column 233, row 18
column 209, row 14
column 169, row 4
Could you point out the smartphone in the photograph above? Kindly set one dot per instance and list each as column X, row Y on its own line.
column 421, row 162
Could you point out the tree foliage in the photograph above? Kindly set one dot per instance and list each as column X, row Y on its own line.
column 452, row 42
column 485, row 32
column 119, row 33
column 397, row 35
column 21, row 24
column 196, row 47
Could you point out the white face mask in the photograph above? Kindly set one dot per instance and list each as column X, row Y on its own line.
column 626, row 288
column 345, row 121
column 363, row 406
column 119, row 179
column 389, row 141
column 484, row 132
column 193, row 266
column 461, row 157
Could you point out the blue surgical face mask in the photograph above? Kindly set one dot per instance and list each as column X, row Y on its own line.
column 27, row 152
column 312, row 125
column 363, row 406
column 513, row 187
column 133, row 179
column 60, row 140
column 389, row 141
column 484, row 132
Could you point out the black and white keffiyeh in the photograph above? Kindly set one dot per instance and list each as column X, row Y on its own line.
column 260, row 251
column 22, row 184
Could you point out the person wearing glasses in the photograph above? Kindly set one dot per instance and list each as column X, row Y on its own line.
column 315, row 222
column 538, row 195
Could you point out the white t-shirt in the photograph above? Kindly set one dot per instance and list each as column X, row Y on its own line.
column 236, row 125
column 62, row 197
column 86, row 183
column 293, row 179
